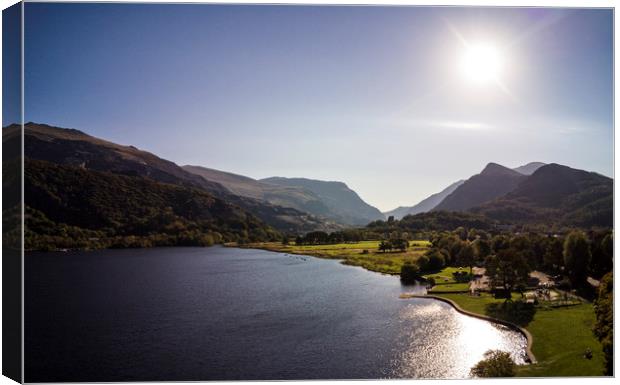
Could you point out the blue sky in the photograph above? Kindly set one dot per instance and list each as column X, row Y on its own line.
column 372, row 96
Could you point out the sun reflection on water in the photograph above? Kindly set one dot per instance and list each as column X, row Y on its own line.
column 447, row 343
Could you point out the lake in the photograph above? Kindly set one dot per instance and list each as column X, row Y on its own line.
column 230, row 314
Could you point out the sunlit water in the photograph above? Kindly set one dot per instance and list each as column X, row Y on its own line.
column 224, row 314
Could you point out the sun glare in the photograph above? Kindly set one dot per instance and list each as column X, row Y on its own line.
column 481, row 64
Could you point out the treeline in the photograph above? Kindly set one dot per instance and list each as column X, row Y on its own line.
column 574, row 256
column 431, row 221
column 71, row 207
column 324, row 238
column 449, row 220
column 544, row 252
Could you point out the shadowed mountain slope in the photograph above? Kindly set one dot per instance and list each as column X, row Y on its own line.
column 494, row 181
column 556, row 194
column 74, row 148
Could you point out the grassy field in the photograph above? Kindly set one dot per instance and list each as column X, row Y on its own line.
column 445, row 275
column 354, row 254
column 448, row 287
column 561, row 336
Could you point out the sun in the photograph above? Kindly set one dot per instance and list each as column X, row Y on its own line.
column 481, row 63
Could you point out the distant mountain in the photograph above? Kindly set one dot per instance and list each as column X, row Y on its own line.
column 287, row 196
column 343, row 203
column 556, row 194
column 494, row 181
column 425, row 205
column 530, row 168
column 74, row 148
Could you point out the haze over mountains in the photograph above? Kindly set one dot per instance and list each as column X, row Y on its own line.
column 333, row 201
column 244, row 208
column 343, row 203
column 426, row 204
column 498, row 180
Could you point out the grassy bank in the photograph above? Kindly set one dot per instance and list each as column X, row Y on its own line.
column 561, row 336
column 365, row 253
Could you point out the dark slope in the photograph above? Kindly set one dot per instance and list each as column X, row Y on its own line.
column 74, row 148
column 556, row 194
column 494, row 181
column 342, row 202
column 69, row 206
column 425, row 205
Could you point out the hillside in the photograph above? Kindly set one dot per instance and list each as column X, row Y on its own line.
column 493, row 182
column 342, row 202
column 556, row 194
column 286, row 196
column 73, row 207
column 426, row 204
column 74, row 148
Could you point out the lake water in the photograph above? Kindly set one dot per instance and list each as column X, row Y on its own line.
column 225, row 314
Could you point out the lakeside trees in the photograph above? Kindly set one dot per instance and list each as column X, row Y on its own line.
column 604, row 327
column 577, row 257
column 496, row 364
column 507, row 269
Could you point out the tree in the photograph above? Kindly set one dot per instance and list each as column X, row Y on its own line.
column 604, row 327
column 400, row 244
column 507, row 269
column 601, row 248
column 436, row 260
column 500, row 242
column 552, row 257
column 482, row 249
column 576, row 257
column 466, row 256
column 384, row 246
column 423, row 262
column 409, row 272
column 461, row 232
column 495, row 364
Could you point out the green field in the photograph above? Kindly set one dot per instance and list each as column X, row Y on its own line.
column 561, row 336
column 354, row 254
column 450, row 287
column 445, row 275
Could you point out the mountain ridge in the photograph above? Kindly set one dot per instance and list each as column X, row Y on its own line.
column 337, row 196
column 425, row 205
column 492, row 182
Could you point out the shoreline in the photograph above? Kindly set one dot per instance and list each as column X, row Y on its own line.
column 531, row 358
column 528, row 336
column 320, row 256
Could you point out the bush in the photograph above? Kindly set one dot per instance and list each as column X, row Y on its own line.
column 495, row 364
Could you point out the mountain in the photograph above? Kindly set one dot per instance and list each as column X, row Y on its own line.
column 70, row 147
column 426, row 204
column 343, row 203
column 529, row 169
column 287, row 196
column 494, row 181
column 556, row 194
